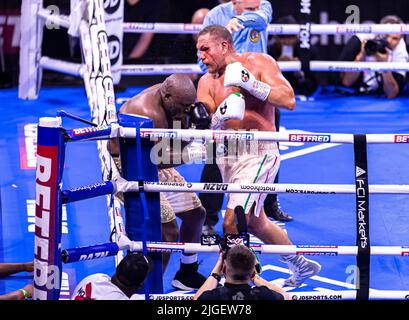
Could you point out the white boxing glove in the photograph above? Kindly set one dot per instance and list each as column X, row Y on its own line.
column 238, row 76
column 232, row 107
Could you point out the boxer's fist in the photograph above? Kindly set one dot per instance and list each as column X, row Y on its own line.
column 238, row 76
column 232, row 107
column 199, row 116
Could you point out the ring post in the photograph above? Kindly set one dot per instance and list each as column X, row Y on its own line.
column 48, row 217
column 136, row 225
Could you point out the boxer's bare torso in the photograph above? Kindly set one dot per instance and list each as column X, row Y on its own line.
column 259, row 115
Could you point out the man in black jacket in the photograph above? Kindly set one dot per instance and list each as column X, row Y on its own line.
column 381, row 48
column 239, row 268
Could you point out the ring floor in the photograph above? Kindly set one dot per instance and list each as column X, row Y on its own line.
column 318, row 219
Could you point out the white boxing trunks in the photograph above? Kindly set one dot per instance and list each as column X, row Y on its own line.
column 173, row 203
column 248, row 166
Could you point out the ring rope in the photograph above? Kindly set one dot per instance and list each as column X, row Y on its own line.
column 188, row 28
column 132, row 186
column 115, row 130
column 285, row 66
column 271, row 249
column 316, row 29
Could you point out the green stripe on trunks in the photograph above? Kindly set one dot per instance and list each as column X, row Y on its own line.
column 255, row 179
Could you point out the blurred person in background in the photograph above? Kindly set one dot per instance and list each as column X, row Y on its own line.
column 381, row 48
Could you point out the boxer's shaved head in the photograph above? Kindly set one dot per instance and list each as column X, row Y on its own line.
column 178, row 94
column 181, row 88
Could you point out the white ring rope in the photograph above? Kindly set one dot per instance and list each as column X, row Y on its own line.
column 285, row 66
column 188, row 28
column 316, row 29
column 56, row 19
column 209, row 135
column 318, row 66
column 74, row 69
column 126, row 244
column 181, row 28
column 134, row 186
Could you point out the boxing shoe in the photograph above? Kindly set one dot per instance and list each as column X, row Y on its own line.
column 188, row 278
column 274, row 211
column 279, row 215
column 302, row 270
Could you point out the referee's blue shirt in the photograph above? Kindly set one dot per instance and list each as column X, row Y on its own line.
column 254, row 37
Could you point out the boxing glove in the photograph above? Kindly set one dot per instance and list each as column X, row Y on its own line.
column 238, row 76
column 232, row 107
column 199, row 116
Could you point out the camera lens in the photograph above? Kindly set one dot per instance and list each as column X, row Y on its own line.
column 371, row 47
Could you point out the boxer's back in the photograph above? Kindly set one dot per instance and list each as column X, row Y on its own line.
column 147, row 104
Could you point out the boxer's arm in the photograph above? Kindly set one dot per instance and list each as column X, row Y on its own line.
column 282, row 94
column 270, row 85
column 205, row 96
column 259, row 19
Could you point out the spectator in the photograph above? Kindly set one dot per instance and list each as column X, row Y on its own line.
column 129, row 276
column 238, row 268
column 7, row 269
column 20, row 294
column 384, row 48
column 287, row 48
column 198, row 18
column 247, row 20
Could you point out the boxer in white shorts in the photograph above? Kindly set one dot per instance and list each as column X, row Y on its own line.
column 253, row 165
column 241, row 92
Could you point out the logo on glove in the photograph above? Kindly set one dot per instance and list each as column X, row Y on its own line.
column 223, row 109
column 245, row 75
column 254, row 36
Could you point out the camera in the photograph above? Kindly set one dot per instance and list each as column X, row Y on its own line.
column 373, row 46
column 229, row 241
column 225, row 243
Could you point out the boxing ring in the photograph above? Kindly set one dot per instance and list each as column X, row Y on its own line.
column 52, row 138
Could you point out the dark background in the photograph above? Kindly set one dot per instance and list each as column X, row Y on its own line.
column 180, row 48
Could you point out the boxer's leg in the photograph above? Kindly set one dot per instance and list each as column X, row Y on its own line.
column 170, row 233
column 271, row 204
column 188, row 277
column 212, row 202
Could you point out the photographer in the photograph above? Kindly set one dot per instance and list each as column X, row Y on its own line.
column 238, row 268
column 383, row 48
